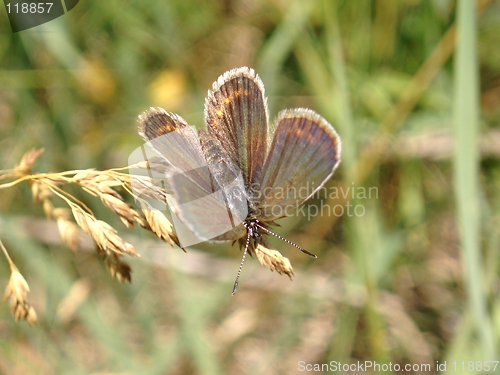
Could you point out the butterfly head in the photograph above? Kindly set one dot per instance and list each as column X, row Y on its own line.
column 252, row 227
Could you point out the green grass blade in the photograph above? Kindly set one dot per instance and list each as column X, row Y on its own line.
column 466, row 164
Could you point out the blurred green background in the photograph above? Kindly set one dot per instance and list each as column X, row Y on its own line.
column 414, row 280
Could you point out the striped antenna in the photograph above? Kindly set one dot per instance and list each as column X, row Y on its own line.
column 249, row 233
column 287, row 241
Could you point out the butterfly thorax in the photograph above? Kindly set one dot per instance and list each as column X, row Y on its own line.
column 255, row 229
column 252, row 227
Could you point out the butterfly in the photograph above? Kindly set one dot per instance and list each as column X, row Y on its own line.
column 232, row 181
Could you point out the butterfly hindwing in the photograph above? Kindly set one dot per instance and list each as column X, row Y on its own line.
column 304, row 153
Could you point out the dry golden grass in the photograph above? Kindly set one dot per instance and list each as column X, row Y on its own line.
column 272, row 258
column 47, row 187
column 17, row 292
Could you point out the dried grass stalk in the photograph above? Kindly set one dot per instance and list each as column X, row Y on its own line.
column 40, row 191
column 161, row 226
column 100, row 185
column 17, row 292
column 102, row 233
column 28, row 161
column 118, row 269
column 272, row 258
column 68, row 231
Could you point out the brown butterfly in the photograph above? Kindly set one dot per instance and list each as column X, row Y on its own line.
column 242, row 172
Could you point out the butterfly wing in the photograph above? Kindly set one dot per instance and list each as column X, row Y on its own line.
column 233, row 235
column 228, row 178
column 175, row 142
column 304, row 153
column 236, row 117
column 199, row 206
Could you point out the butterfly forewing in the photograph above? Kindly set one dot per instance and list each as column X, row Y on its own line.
column 303, row 155
column 236, row 117
column 193, row 198
column 175, row 142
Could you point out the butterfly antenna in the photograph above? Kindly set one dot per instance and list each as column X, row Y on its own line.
column 241, row 264
column 287, row 241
